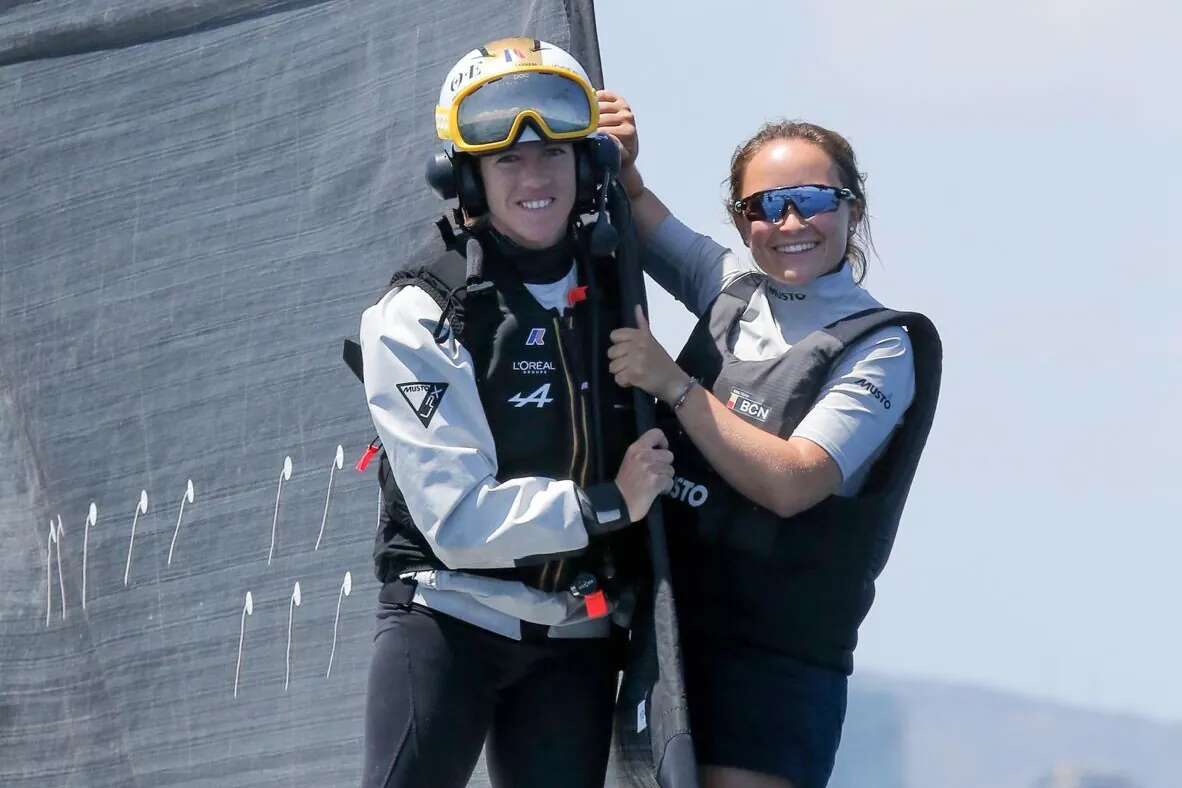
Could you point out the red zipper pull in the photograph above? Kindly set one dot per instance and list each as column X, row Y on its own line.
column 374, row 447
column 576, row 294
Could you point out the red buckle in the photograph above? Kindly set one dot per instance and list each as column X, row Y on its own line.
column 576, row 294
column 374, row 447
column 596, row 604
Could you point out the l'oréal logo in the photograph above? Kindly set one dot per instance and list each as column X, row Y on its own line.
column 534, row 367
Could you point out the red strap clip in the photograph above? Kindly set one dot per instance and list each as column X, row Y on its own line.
column 596, row 604
column 374, row 447
column 576, row 294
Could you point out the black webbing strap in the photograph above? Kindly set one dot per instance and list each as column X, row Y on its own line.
column 351, row 353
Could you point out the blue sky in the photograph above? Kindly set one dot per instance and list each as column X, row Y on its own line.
column 1024, row 183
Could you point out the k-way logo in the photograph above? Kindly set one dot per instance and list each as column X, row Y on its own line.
column 875, row 392
column 537, row 337
column 784, row 295
column 533, row 367
column 423, row 398
column 743, row 402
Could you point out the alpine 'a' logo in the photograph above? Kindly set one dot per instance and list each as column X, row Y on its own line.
column 537, row 336
column 745, row 404
column 875, row 392
column 540, row 397
column 423, row 398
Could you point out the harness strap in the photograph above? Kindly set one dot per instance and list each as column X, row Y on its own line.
column 744, row 285
column 351, row 353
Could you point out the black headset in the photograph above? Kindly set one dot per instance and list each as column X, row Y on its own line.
column 457, row 175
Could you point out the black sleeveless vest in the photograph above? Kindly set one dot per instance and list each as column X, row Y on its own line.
column 534, row 375
column 798, row 586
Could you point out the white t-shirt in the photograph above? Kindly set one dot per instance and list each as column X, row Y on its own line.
column 552, row 295
column 871, row 384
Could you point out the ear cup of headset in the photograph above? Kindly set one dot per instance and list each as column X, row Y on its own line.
column 586, row 180
column 457, row 176
column 440, row 176
column 469, row 185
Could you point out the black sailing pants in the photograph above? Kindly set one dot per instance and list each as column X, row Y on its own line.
column 440, row 689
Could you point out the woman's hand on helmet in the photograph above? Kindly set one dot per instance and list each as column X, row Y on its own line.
column 617, row 121
column 637, row 359
column 645, row 472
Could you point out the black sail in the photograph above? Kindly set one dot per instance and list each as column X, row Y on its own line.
column 198, row 198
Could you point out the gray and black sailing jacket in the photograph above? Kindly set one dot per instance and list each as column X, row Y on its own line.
column 497, row 464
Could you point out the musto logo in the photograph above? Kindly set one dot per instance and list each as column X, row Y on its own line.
column 785, row 295
column 875, row 392
column 685, row 490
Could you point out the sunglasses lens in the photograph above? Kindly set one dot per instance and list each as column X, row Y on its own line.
column 772, row 205
column 810, row 200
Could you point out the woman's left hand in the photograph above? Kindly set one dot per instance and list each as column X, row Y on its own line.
column 637, row 359
column 618, row 122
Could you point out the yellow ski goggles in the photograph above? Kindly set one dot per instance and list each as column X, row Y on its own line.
column 487, row 115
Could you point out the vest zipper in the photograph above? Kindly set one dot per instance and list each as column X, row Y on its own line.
column 553, row 570
column 572, row 396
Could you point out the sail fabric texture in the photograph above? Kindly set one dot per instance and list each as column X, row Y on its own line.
column 198, row 199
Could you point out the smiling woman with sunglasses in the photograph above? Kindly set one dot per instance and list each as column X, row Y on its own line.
column 797, row 412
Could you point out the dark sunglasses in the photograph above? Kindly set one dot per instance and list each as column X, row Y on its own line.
column 771, row 205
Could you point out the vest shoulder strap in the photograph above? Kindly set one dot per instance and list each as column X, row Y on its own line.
column 744, row 286
column 732, row 302
column 443, row 280
column 440, row 279
column 850, row 327
column 919, row 328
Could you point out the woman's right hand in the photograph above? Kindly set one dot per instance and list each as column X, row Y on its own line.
column 645, row 472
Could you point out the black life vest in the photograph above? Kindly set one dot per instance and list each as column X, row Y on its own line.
column 533, row 373
column 801, row 585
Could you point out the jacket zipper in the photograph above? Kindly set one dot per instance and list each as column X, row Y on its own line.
column 572, row 397
column 578, row 418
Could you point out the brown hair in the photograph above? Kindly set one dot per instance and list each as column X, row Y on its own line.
column 838, row 149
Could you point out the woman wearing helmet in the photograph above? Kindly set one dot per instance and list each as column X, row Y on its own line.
column 798, row 410
column 510, row 465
